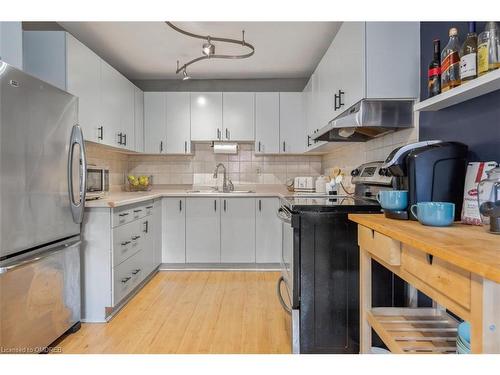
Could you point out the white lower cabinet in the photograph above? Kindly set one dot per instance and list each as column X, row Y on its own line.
column 120, row 249
column 174, row 230
column 202, row 230
column 221, row 230
column 267, row 231
column 237, row 230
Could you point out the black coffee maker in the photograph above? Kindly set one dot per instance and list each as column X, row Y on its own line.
column 431, row 171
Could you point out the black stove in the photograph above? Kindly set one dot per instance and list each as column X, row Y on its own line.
column 329, row 203
column 320, row 265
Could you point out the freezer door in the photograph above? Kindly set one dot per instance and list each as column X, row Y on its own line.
column 39, row 297
column 36, row 123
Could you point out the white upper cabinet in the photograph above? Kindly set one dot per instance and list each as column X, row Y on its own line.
column 111, row 105
column 106, row 98
column 293, row 136
column 267, row 122
column 139, row 119
column 206, row 116
column 155, row 122
column 11, row 43
column 84, row 80
column 238, row 109
column 178, row 123
column 376, row 60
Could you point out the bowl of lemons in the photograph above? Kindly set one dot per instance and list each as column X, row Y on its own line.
column 139, row 183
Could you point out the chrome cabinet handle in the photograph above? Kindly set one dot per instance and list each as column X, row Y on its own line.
column 125, row 243
column 136, row 271
column 146, row 226
column 227, row 133
column 215, row 204
column 259, row 146
column 284, row 146
column 284, row 216
column 149, row 207
column 280, row 297
column 77, row 208
column 100, row 132
column 136, row 211
column 136, row 237
column 125, row 139
column 180, row 204
column 224, row 205
column 125, row 279
column 185, row 147
column 120, row 138
column 124, row 214
column 161, row 146
column 260, row 204
column 218, row 133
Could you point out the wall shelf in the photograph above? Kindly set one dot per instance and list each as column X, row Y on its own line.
column 415, row 330
column 472, row 89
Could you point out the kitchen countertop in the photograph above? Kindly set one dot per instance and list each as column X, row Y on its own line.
column 469, row 247
column 123, row 198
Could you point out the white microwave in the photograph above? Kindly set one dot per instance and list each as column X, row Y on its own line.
column 97, row 182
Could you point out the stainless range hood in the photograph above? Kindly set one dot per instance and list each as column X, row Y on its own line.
column 368, row 119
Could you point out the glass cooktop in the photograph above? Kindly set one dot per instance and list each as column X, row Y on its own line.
column 327, row 202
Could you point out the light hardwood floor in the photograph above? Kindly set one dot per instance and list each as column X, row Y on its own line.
column 193, row 312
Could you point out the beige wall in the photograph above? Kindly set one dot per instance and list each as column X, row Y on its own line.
column 243, row 168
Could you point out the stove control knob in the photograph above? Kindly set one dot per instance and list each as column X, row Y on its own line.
column 381, row 171
column 355, row 172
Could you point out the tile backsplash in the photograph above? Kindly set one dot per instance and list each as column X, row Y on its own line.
column 197, row 169
column 243, row 168
column 350, row 155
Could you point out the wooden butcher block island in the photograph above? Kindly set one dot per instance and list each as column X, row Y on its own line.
column 458, row 267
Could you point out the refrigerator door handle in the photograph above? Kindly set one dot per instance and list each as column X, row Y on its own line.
column 77, row 207
column 38, row 257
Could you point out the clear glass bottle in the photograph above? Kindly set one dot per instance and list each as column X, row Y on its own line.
column 450, row 62
column 488, row 48
column 468, row 55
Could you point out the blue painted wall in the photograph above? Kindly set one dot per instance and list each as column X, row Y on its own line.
column 476, row 122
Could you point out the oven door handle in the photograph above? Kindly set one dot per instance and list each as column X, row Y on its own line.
column 283, row 216
column 280, row 297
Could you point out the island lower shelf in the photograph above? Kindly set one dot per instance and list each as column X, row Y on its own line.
column 415, row 330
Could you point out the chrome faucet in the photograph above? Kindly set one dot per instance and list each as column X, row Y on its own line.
column 227, row 185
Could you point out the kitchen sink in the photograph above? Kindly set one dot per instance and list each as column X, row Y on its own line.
column 211, row 191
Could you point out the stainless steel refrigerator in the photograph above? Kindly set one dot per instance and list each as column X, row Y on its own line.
column 42, row 198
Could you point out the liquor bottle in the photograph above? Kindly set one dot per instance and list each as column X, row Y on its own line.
column 450, row 62
column 434, row 72
column 488, row 49
column 468, row 55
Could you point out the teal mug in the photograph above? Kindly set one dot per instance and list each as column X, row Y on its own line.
column 435, row 214
column 393, row 200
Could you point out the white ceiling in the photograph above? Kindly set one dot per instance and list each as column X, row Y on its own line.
column 149, row 50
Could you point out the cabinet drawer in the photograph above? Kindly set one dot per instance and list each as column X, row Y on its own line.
column 127, row 214
column 383, row 247
column 442, row 276
column 128, row 239
column 127, row 276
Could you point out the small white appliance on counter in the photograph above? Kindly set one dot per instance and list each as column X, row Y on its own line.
column 304, row 184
